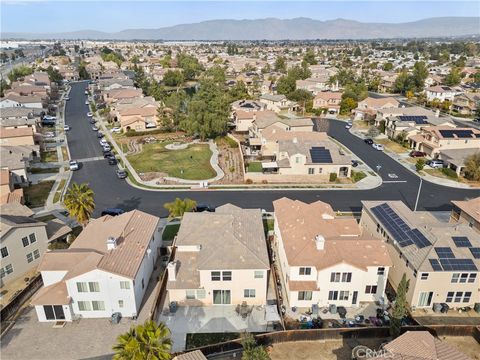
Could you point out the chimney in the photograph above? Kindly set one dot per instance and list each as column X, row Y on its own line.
column 172, row 271
column 437, row 113
column 111, row 243
column 320, row 242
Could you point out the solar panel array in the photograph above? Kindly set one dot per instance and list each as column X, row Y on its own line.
column 320, row 155
column 458, row 133
column 461, row 241
column 444, row 253
column 418, row 119
column 458, row 264
column 475, row 252
column 401, row 232
column 435, row 265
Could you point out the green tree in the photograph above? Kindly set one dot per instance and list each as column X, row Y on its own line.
column 286, row 85
column 217, row 73
column 420, row 164
column 3, row 86
column 82, row 71
column 80, row 203
column 280, row 64
column 347, row 105
column 19, row 72
column 472, row 167
column 54, row 75
column 419, row 75
column 388, row 66
column 454, row 77
column 238, row 91
column 310, row 57
column 252, row 351
column 144, row 342
column 400, row 307
column 178, row 207
column 190, row 65
column 173, row 78
column 357, row 52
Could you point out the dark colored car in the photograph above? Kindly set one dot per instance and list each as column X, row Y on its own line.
column 354, row 163
column 100, row 135
column 204, row 207
column 107, row 154
column 112, row 212
column 415, row 153
column 112, row 161
column 93, row 121
column 121, row 174
column 368, row 141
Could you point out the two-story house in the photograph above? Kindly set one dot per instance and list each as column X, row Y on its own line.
column 440, row 259
column 220, row 259
column 367, row 108
column 105, row 270
column 440, row 93
column 328, row 100
column 466, row 104
column 325, row 259
column 467, row 212
column 278, row 103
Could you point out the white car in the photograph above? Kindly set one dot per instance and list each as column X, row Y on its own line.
column 66, row 127
column 49, row 117
column 86, row 102
column 90, row 114
column 107, row 148
column 49, row 135
column 116, row 130
column 86, row 92
column 73, row 165
column 378, row 147
column 103, row 142
column 348, row 126
column 66, row 98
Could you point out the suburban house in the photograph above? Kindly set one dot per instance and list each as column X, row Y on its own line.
column 440, row 260
column 38, row 78
column 466, row 103
column 105, row 270
column 248, row 105
column 387, row 83
column 412, row 124
column 17, row 159
column 115, row 95
column 18, row 117
column 278, row 103
column 27, row 89
column 325, row 259
column 328, row 100
column 16, row 136
column 384, row 113
column 220, row 259
column 12, row 100
column 367, row 108
column 23, row 241
column 440, row 93
column 138, row 118
column 467, row 212
column 315, row 85
column 8, row 194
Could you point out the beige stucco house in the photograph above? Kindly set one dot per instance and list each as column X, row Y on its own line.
column 328, row 100
column 467, row 212
column 17, row 136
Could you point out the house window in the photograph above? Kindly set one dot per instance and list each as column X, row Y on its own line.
column 25, row 241
column 333, row 295
column 297, row 160
column 466, row 297
column 4, row 252
column 311, row 171
column 82, row 287
column 125, row 285
column 347, row 277
column 32, row 238
column 84, row 305
column 98, row 305
column 6, row 271
column 304, row 295
column 458, row 296
column 258, row 274
column 249, row 293
column 335, row 277
column 190, row 294
column 201, row 293
column 455, row 277
column 449, row 297
column 343, row 295
column 120, row 303
column 472, row 277
column 305, row 271
column 215, row 275
column 94, row 286
column 463, row 278
column 381, row 271
column 36, row 254
column 424, row 276
column 29, row 257
column 226, row 275
column 371, row 289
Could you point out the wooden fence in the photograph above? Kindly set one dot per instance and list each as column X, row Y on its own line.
column 162, row 289
column 16, row 303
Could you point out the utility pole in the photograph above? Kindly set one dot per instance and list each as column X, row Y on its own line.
column 418, row 194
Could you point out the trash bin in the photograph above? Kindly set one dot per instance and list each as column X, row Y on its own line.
column 173, row 307
column 476, row 307
column 314, row 310
column 437, row 308
column 332, row 309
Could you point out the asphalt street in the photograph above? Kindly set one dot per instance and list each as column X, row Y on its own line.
column 113, row 192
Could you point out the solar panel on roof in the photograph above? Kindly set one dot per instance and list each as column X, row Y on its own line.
column 418, row 119
column 475, row 252
column 461, row 241
column 435, row 265
column 444, row 253
column 458, row 264
column 320, row 155
column 458, row 133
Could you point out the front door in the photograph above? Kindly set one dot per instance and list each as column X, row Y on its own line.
column 425, row 299
column 221, row 297
column 354, row 297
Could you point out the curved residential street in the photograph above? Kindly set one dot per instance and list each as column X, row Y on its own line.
column 113, row 192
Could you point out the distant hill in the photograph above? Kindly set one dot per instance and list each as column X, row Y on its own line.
column 276, row 29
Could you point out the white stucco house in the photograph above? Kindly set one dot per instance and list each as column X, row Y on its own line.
column 106, row 269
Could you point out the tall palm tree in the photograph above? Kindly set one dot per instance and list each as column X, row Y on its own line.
column 79, row 202
column 178, row 207
column 148, row 341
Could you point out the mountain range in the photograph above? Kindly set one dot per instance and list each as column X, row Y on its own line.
column 278, row 29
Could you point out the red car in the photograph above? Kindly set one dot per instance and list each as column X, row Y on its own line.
column 417, row 153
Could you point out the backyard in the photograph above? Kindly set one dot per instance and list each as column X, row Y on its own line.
column 192, row 163
column 36, row 195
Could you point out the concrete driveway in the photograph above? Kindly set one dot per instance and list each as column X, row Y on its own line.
column 212, row 319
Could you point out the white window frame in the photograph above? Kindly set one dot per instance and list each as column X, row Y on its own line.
column 87, row 306
column 82, row 287
column 99, row 304
column 249, row 293
column 307, row 271
column 424, row 276
column 95, row 285
column 29, row 257
column 125, row 285
column 6, row 250
column 258, row 274
column 190, row 294
column 216, row 275
column 305, row 295
column 226, row 275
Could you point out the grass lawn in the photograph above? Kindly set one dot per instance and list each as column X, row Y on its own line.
column 49, row 156
column 254, row 166
column 392, row 146
column 44, row 170
column 170, row 232
column 202, row 339
column 194, row 161
column 64, row 153
column 36, row 195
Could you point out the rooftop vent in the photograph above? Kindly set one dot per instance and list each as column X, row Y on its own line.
column 111, row 243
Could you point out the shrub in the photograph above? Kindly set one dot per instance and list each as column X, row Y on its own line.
column 450, row 173
column 264, row 181
column 333, row 177
column 420, row 164
column 132, row 133
column 232, row 169
column 373, row 132
column 249, row 181
column 358, row 175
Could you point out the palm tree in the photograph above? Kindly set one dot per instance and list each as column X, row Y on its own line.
column 79, row 202
column 178, row 207
column 148, row 341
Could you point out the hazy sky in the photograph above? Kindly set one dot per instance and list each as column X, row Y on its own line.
column 59, row 16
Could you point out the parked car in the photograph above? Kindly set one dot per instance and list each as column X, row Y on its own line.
column 121, row 174
column 415, row 153
column 86, row 92
column 100, row 135
column 49, row 134
column 368, row 141
column 116, row 130
column 92, row 121
column 86, row 102
column 354, row 163
column 66, row 98
column 103, row 142
column 204, row 207
column 66, row 127
column 112, row 161
column 73, row 164
column 94, row 128
column 48, row 122
column 107, row 154
column 435, row 163
column 378, row 147
column 112, row 211
column 349, row 125
column 106, row 148
column 49, row 117
column 89, row 114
